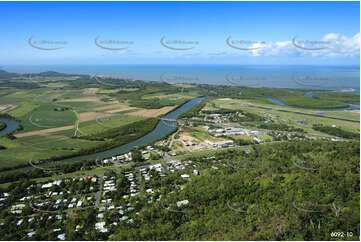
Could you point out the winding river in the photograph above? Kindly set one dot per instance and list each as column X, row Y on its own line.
column 162, row 129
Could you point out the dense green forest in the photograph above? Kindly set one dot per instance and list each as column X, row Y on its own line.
column 289, row 191
column 343, row 97
column 283, row 191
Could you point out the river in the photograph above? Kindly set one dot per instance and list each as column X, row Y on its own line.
column 162, row 129
column 11, row 125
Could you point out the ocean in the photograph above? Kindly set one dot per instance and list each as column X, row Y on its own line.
column 345, row 78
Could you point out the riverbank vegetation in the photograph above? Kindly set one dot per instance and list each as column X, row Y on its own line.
column 313, row 103
column 194, row 111
column 339, row 97
column 2, row 125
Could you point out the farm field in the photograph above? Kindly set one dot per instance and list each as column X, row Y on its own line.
column 60, row 111
column 102, row 124
column 54, row 116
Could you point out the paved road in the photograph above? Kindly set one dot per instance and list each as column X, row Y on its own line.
column 165, row 167
column 98, row 194
column 172, row 140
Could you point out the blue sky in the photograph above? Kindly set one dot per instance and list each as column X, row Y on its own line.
column 265, row 31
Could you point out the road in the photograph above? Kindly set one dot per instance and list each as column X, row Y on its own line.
column 172, row 139
column 98, row 194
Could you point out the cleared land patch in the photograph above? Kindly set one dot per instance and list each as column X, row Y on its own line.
column 150, row 113
column 119, row 110
column 82, row 99
column 44, row 131
column 87, row 116
column 7, row 108
column 91, row 90
column 114, row 106
column 22, row 110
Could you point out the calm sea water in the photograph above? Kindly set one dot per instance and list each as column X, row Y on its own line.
column 282, row 76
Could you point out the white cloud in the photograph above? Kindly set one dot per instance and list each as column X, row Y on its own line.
column 334, row 44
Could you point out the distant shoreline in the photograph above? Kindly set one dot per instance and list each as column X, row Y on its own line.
column 277, row 76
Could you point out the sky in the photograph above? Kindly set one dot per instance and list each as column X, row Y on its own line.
column 305, row 33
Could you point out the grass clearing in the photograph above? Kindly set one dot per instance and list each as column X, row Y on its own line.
column 9, row 144
column 105, row 123
column 23, row 109
column 46, row 116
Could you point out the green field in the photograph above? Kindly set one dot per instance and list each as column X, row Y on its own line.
column 45, row 116
column 36, row 111
column 21, row 150
column 81, row 107
column 22, row 110
column 102, row 124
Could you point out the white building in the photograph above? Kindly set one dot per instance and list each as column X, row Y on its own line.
column 182, row 203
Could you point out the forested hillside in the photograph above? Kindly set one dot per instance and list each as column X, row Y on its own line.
column 285, row 191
